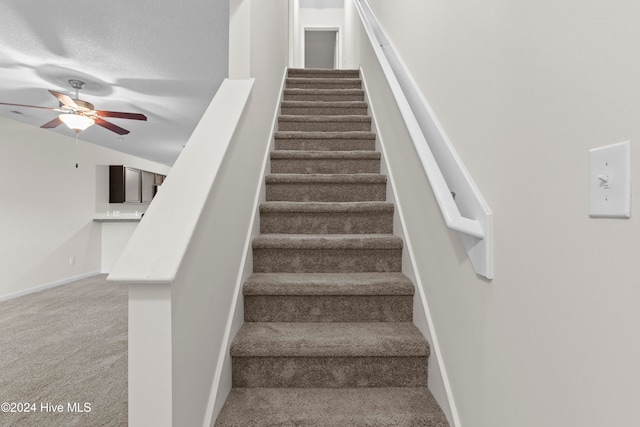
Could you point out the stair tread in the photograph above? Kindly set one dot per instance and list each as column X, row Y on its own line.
column 344, row 80
column 354, row 407
column 314, row 118
column 322, row 155
column 327, row 104
column 324, row 135
column 326, row 206
column 358, row 178
column 321, row 91
column 328, row 71
column 328, row 241
column 328, row 284
column 353, row 339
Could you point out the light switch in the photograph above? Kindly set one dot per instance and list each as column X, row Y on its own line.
column 610, row 181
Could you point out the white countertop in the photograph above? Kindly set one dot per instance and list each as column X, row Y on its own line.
column 128, row 217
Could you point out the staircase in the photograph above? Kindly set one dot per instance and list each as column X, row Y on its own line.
column 328, row 338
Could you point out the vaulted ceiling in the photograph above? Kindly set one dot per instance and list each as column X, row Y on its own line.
column 164, row 59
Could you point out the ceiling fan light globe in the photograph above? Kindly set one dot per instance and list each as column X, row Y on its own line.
column 76, row 122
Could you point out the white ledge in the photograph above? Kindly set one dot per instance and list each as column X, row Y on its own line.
column 156, row 249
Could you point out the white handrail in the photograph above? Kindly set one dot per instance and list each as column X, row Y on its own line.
column 450, row 212
column 439, row 159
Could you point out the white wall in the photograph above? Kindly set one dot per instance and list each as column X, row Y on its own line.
column 322, row 17
column 524, row 90
column 351, row 39
column 48, row 205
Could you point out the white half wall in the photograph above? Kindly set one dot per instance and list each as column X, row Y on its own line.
column 48, row 205
column 115, row 236
column 524, row 90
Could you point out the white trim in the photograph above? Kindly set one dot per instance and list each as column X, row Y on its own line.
column 244, row 271
column 294, row 27
column 149, row 355
column 49, row 286
column 414, row 274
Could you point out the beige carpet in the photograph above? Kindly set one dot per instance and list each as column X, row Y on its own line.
column 65, row 346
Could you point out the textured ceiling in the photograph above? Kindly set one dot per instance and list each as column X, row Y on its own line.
column 162, row 58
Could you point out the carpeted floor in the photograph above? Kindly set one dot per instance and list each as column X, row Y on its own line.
column 65, row 346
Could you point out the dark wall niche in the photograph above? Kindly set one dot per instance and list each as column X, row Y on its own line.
column 130, row 185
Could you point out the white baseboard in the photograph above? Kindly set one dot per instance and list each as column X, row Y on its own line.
column 48, row 286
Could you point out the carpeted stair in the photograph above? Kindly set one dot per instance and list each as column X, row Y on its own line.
column 328, row 338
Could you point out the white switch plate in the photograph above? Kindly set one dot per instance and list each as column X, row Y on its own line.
column 610, row 181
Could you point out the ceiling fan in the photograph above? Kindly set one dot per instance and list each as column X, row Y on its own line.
column 79, row 115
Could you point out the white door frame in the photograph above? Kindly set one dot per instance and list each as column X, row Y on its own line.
column 338, row 51
column 294, row 36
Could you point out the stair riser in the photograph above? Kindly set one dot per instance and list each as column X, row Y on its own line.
column 328, row 308
column 324, row 126
column 325, row 166
column 326, row 222
column 325, row 144
column 329, row 372
column 322, row 407
column 276, row 260
column 324, row 111
column 325, row 192
column 326, row 84
column 324, row 97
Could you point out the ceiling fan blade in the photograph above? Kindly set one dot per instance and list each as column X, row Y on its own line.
column 52, row 124
column 29, row 106
column 119, row 115
column 65, row 99
column 113, row 128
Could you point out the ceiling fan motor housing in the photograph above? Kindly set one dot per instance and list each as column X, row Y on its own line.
column 83, row 104
column 76, row 84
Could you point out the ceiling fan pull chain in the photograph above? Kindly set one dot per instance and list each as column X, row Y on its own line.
column 77, row 149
